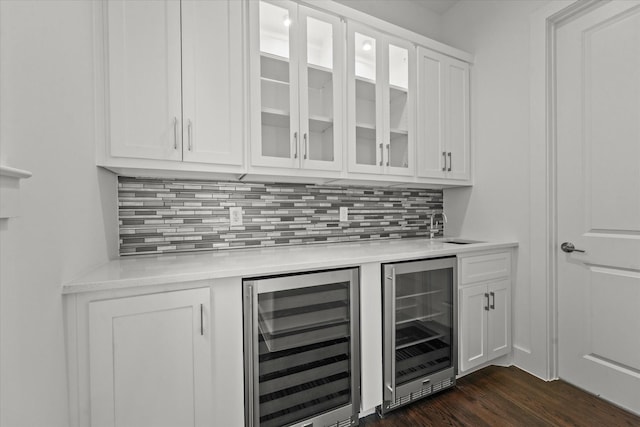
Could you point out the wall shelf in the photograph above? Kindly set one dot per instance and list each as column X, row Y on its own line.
column 10, row 190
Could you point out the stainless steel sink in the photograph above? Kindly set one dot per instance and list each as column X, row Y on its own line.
column 458, row 241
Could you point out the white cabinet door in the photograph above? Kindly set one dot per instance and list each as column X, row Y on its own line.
column 321, row 92
column 150, row 360
column 431, row 123
column 364, row 100
column 381, row 86
column 443, row 117
column 212, row 81
column 457, row 124
column 499, row 319
column 275, row 132
column 474, row 306
column 485, row 322
column 297, row 87
column 144, row 79
column 399, row 106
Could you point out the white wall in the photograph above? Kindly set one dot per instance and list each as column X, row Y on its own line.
column 69, row 220
column 498, row 206
column 404, row 13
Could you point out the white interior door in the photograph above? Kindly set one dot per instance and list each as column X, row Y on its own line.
column 598, row 140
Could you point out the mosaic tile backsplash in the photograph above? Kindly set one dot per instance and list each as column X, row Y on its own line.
column 168, row 216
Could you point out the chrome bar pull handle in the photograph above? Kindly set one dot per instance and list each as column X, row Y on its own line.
column 493, row 300
column 189, row 134
column 295, row 144
column 392, row 356
column 486, row 307
column 568, row 248
column 306, row 145
column 449, row 161
column 388, row 153
column 381, row 153
column 175, row 133
column 444, row 161
column 251, row 363
column 201, row 319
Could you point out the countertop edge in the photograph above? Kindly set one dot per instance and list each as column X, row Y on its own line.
column 93, row 282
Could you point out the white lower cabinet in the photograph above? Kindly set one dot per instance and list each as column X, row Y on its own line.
column 153, row 356
column 484, row 309
column 150, row 360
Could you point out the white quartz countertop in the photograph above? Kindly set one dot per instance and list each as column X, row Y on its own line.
column 153, row 270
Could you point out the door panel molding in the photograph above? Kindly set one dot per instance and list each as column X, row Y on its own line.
column 543, row 186
column 595, row 320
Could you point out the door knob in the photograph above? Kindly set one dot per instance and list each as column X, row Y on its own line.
column 568, row 248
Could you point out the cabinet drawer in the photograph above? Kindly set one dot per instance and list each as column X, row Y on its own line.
column 484, row 267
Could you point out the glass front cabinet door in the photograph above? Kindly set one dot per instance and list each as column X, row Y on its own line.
column 296, row 86
column 381, row 82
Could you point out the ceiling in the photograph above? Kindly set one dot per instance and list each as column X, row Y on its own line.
column 437, row 6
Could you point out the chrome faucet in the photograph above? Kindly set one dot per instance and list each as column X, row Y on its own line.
column 432, row 229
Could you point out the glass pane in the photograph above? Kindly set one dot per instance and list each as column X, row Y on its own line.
column 398, row 67
column 274, row 81
column 304, row 353
column 319, row 43
column 274, row 29
column 398, row 108
column 365, row 56
column 424, row 323
column 320, row 90
column 365, row 73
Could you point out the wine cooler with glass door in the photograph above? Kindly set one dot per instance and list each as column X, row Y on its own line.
column 301, row 349
column 419, row 330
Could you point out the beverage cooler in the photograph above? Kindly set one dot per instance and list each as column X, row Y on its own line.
column 302, row 356
column 419, row 330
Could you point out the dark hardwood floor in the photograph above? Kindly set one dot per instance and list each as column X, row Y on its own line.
column 497, row 396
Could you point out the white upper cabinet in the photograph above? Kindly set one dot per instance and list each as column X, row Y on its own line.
column 174, row 81
column 443, row 117
column 381, row 103
column 312, row 90
column 212, row 81
column 296, row 87
column 144, row 79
